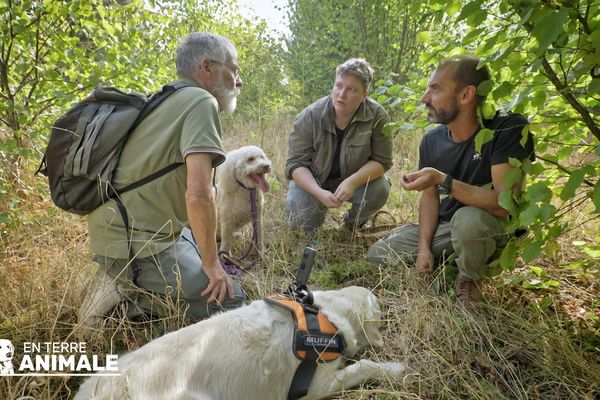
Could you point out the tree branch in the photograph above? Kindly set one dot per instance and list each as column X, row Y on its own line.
column 566, row 93
column 563, row 169
column 583, row 20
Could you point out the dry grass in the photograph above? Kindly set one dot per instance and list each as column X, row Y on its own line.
column 519, row 346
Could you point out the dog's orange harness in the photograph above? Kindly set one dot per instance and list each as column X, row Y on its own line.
column 319, row 336
column 316, row 340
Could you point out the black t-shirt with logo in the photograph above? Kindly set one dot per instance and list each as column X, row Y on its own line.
column 462, row 162
column 336, row 171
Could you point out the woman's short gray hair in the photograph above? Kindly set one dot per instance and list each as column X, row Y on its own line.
column 199, row 46
column 358, row 67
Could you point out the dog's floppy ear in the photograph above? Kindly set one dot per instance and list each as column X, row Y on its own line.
column 363, row 315
column 355, row 312
column 371, row 321
column 338, row 310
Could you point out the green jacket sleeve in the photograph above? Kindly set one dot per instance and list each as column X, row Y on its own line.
column 300, row 144
column 381, row 145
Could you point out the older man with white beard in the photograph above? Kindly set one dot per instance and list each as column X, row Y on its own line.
column 174, row 265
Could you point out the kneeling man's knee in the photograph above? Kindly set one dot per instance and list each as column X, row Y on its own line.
column 379, row 253
column 470, row 222
column 472, row 227
column 238, row 299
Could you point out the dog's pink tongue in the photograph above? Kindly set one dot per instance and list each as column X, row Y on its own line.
column 260, row 180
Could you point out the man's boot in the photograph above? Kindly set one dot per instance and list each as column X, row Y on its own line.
column 349, row 229
column 468, row 293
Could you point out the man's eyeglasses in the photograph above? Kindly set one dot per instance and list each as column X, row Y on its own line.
column 233, row 67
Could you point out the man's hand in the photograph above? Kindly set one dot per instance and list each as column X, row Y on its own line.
column 328, row 199
column 219, row 284
column 422, row 179
column 425, row 261
column 345, row 190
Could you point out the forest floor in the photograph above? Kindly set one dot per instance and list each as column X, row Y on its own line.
column 536, row 337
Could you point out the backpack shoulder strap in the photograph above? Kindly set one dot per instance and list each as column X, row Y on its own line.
column 156, row 99
column 147, row 179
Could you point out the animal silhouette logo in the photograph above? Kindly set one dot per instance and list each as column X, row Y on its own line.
column 7, row 351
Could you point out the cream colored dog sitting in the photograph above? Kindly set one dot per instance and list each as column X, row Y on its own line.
column 246, row 354
column 243, row 170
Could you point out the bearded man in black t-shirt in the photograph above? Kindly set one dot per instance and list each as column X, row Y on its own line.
column 467, row 220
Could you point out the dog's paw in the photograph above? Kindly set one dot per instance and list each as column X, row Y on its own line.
column 395, row 369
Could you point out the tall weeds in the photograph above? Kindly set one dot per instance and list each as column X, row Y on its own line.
column 512, row 349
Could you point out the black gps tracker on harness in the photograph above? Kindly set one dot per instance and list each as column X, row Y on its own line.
column 298, row 290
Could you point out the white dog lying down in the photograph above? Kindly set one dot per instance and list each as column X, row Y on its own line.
column 243, row 170
column 247, row 354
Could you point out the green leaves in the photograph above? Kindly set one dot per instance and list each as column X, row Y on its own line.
column 485, row 87
column 536, row 283
column 532, row 250
column 537, row 270
column 594, row 87
column 452, row 7
column 483, row 136
column 423, row 36
column 488, row 110
column 573, row 183
column 555, row 92
column 596, row 197
column 508, row 255
column 64, row 48
column 389, row 35
column 519, row 99
column 505, row 200
column 469, row 9
column 538, row 192
column 529, row 215
column 549, row 28
column 503, row 90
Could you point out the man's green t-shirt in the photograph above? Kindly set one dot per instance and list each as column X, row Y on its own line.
column 186, row 122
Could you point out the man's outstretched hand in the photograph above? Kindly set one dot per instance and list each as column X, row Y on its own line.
column 422, row 179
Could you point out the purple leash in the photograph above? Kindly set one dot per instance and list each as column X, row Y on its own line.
column 230, row 269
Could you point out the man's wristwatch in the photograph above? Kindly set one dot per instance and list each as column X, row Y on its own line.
column 445, row 188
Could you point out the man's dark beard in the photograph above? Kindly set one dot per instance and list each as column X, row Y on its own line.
column 442, row 116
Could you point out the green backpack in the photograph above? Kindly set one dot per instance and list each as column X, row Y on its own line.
column 86, row 143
